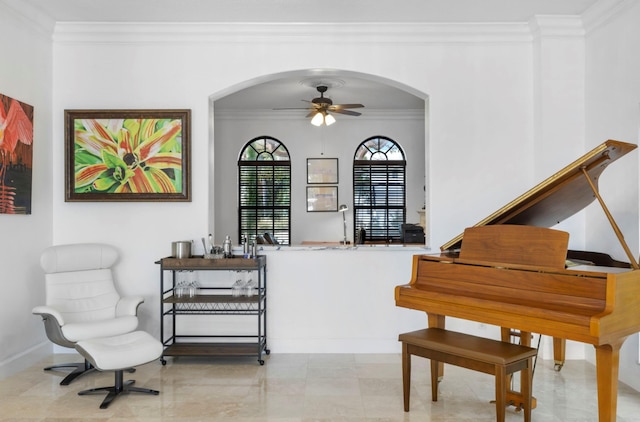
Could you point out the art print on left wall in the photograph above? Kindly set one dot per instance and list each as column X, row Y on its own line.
column 127, row 155
column 16, row 156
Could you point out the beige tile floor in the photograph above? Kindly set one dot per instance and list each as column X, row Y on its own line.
column 301, row 388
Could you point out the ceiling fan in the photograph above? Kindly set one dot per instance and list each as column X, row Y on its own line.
column 321, row 107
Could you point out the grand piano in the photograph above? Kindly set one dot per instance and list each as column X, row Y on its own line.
column 509, row 270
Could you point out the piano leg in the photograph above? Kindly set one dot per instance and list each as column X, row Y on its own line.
column 437, row 321
column 607, row 364
column 559, row 347
column 406, row 375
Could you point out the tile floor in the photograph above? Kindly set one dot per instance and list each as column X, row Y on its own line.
column 301, row 388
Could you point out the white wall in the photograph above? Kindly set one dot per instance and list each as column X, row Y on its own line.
column 26, row 75
column 558, row 86
column 613, row 111
column 304, row 141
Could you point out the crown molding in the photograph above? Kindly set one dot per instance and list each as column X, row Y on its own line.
column 29, row 16
column 548, row 26
column 603, row 11
column 296, row 33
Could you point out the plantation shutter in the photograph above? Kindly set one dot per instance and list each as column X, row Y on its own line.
column 379, row 198
column 264, row 190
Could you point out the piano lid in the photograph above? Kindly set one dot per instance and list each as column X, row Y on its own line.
column 558, row 197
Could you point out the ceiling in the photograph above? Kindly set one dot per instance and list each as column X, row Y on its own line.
column 291, row 89
column 302, row 10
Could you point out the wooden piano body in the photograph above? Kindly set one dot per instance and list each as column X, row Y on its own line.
column 509, row 270
column 591, row 305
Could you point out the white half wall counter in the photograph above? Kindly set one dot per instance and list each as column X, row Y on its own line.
column 338, row 299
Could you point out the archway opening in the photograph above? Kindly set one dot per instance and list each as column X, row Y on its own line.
column 275, row 105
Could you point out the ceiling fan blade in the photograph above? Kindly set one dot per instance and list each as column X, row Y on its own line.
column 314, row 105
column 347, row 112
column 311, row 106
column 343, row 106
column 323, row 105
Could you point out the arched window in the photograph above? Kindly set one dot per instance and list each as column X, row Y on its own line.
column 264, row 190
column 379, row 193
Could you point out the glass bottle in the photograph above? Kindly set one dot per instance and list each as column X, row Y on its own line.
column 226, row 247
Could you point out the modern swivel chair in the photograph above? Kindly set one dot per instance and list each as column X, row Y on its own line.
column 82, row 302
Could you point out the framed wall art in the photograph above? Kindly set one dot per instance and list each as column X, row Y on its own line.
column 16, row 156
column 127, row 155
column 322, row 198
column 322, row 171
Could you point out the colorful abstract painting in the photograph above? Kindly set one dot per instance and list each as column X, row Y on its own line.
column 16, row 156
column 127, row 155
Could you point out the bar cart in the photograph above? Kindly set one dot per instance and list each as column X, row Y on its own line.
column 215, row 302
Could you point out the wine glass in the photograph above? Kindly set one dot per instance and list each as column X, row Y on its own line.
column 238, row 287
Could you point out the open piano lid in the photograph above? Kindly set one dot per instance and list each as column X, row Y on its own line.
column 558, row 197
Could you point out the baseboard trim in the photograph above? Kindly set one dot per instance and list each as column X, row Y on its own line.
column 25, row 359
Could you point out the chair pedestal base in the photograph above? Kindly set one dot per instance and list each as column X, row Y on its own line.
column 79, row 369
column 120, row 387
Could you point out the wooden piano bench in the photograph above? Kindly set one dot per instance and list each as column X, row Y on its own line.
column 477, row 353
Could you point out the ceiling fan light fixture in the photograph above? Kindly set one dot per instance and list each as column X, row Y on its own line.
column 322, row 117
column 329, row 119
column 317, row 119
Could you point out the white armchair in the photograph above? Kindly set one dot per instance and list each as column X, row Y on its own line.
column 81, row 300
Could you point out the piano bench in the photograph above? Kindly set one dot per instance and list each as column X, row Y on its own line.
column 477, row 353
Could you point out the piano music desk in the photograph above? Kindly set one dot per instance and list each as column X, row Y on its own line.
column 476, row 353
